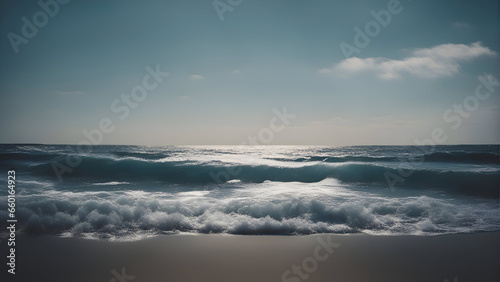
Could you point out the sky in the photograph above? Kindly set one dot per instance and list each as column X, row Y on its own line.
column 264, row 72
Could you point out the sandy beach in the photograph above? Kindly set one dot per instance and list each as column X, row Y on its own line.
column 359, row 257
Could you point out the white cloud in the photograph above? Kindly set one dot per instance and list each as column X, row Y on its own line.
column 460, row 25
column 196, row 77
column 439, row 61
column 236, row 71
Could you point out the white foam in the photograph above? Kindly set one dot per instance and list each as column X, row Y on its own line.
column 267, row 208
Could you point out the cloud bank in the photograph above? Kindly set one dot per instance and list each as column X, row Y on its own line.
column 439, row 61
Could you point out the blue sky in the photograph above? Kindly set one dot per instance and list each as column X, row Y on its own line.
column 226, row 76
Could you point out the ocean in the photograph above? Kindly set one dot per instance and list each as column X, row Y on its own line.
column 134, row 192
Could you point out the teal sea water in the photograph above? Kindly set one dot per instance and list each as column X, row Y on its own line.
column 119, row 192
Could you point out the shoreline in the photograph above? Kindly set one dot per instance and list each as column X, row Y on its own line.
column 225, row 257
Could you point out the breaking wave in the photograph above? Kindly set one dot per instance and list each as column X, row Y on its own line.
column 109, row 215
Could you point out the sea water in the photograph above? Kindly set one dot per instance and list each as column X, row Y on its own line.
column 136, row 191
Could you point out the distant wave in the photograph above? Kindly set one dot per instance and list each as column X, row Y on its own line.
column 15, row 157
column 107, row 166
column 50, row 152
column 449, row 157
column 463, row 157
column 474, row 183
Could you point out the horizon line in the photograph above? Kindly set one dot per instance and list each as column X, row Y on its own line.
column 249, row 145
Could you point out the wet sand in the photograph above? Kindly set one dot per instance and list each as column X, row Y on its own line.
column 184, row 257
